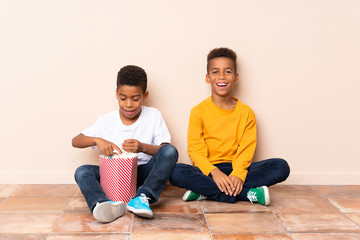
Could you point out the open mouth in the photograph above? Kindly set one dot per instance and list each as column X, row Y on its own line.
column 221, row 85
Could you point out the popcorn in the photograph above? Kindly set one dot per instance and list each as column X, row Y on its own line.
column 118, row 175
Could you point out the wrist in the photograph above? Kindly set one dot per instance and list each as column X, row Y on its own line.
column 95, row 141
column 142, row 148
column 214, row 171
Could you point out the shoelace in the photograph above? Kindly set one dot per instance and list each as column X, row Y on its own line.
column 144, row 199
column 201, row 197
column 252, row 196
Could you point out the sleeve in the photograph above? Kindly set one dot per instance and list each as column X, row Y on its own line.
column 246, row 148
column 92, row 131
column 161, row 132
column 197, row 148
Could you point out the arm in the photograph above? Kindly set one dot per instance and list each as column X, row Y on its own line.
column 246, row 148
column 105, row 147
column 82, row 141
column 196, row 146
column 244, row 152
column 133, row 145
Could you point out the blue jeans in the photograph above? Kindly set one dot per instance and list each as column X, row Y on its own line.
column 267, row 172
column 151, row 177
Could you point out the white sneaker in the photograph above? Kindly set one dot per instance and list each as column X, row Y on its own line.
column 106, row 212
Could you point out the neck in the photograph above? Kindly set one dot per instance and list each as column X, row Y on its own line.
column 128, row 121
column 224, row 102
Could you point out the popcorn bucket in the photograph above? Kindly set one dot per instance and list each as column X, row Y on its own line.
column 118, row 176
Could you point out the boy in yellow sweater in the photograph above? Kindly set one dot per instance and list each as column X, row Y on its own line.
column 221, row 144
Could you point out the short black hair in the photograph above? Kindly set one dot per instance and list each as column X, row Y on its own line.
column 221, row 52
column 132, row 75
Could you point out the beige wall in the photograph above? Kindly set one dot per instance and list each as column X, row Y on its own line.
column 299, row 64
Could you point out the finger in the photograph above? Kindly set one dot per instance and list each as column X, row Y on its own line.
column 107, row 152
column 132, row 150
column 237, row 190
column 232, row 184
column 111, row 151
column 224, row 187
column 104, row 151
column 129, row 141
column 128, row 144
column 219, row 186
column 229, row 185
column 240, row 187
column 117, row 149
column 129, row 148
column 236, row 183
column 229, row 188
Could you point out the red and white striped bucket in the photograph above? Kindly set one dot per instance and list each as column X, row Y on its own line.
column 118, row 176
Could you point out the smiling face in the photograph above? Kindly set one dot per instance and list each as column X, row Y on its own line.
column 221, row 76
column 130, row 99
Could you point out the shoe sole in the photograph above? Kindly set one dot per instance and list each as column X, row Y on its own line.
column 267, row 196
column 186, row 195
column 140, row 212
column 107, row 212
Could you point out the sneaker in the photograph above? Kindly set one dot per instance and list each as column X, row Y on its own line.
column 190, row 196
column 108, row 211
column 140, row 206
column 259, row 195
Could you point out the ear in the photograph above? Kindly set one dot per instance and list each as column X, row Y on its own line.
column 146, row 95
column 236, row 77
column 207, row 78
column 116, row 93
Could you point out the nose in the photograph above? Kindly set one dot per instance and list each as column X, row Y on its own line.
column 128, row 103
column 222, row 74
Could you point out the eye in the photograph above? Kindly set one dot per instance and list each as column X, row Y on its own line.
column 136, row 99
column 122, row 98
column 215, row 72
column 228, row 71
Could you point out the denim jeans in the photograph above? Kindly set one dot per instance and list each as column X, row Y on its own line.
column 151, row 176
column 267, row 172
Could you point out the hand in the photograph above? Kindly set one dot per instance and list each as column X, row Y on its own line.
column 238, row 184
column 132, row 145
column 223, row 181
column 106, row 147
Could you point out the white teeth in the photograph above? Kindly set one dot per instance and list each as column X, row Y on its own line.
column 221, row 84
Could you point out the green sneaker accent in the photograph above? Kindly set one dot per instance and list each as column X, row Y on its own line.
column 259, row 195
column 191, row 196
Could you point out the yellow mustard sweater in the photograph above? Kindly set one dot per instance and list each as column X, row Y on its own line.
column 216, row 135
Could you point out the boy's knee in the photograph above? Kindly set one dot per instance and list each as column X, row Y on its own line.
column 284, row 166
column 81, row 171
column 169, row 152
